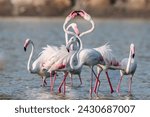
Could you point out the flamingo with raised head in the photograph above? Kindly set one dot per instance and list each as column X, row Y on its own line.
column 88, row 57
column 128, row 67
column 37, row 64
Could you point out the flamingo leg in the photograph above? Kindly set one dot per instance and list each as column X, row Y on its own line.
column 97, row 83
column 71, row 80
column 80, row 79
column 130, row 83
column 118, row 87
column 111, row 88
column 91, row 82
column 44, row 83
column 54, row 81
column 51, row 82
column 64, row 87
column 65, row 76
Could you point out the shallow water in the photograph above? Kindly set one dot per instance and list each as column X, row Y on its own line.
column 17, row 83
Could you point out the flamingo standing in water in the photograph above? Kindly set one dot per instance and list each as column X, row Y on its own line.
column 37, row 64
column 128, row 67
column 88, row 57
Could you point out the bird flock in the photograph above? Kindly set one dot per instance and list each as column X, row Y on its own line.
column 70, row 59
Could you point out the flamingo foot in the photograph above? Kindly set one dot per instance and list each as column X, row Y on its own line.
column 117, row 90
column 59, row 90
column 112, row 91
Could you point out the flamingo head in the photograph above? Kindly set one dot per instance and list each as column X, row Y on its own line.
column 71, row 41
column 132, row 50
column 26, row 43
column 72, row 15
column 75, row 28
column 85, row 15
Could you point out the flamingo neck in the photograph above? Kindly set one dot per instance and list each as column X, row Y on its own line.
column 129, row 62
column 76, row 55
column 88, row 31
column 30, row 57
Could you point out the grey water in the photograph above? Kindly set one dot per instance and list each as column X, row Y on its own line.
column 16, row 83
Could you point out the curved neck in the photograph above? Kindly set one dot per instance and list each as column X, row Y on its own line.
column 88, row 31
column 66, row 34
column 76, row 55
column 30, row 57
column 69, row 32
column 129, row 62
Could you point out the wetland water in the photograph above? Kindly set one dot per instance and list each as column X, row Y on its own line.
column 17, row 83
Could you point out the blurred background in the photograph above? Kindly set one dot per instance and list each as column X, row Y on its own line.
column 102, row 8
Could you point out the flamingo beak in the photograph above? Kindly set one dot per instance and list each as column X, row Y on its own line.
column 133, row 55
column 67, row 47
column 68, row 50
column 25, row 49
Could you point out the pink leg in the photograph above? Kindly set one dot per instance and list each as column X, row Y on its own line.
column 64, row 87
column 118, row 87
column 65, row 76
column 111, row 88
column 97, row 83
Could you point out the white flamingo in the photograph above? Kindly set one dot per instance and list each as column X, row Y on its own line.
column 128, row 67
column 37, row 64
column 88, row 57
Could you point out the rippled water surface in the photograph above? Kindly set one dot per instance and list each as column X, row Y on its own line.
column 17, row 83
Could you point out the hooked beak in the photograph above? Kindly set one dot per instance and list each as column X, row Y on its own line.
column 67, row 48
column 133, row 55
column 25, row 49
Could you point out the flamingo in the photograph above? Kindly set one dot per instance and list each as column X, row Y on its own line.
column 88, row 57
column 37, row 64
column 128, row 67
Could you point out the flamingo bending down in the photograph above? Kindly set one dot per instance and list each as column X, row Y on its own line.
column 128, row 67
column 37, row 64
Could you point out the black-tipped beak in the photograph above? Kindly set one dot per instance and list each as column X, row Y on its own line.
column 25, row 49
column 133, row 55
column 68, row 50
